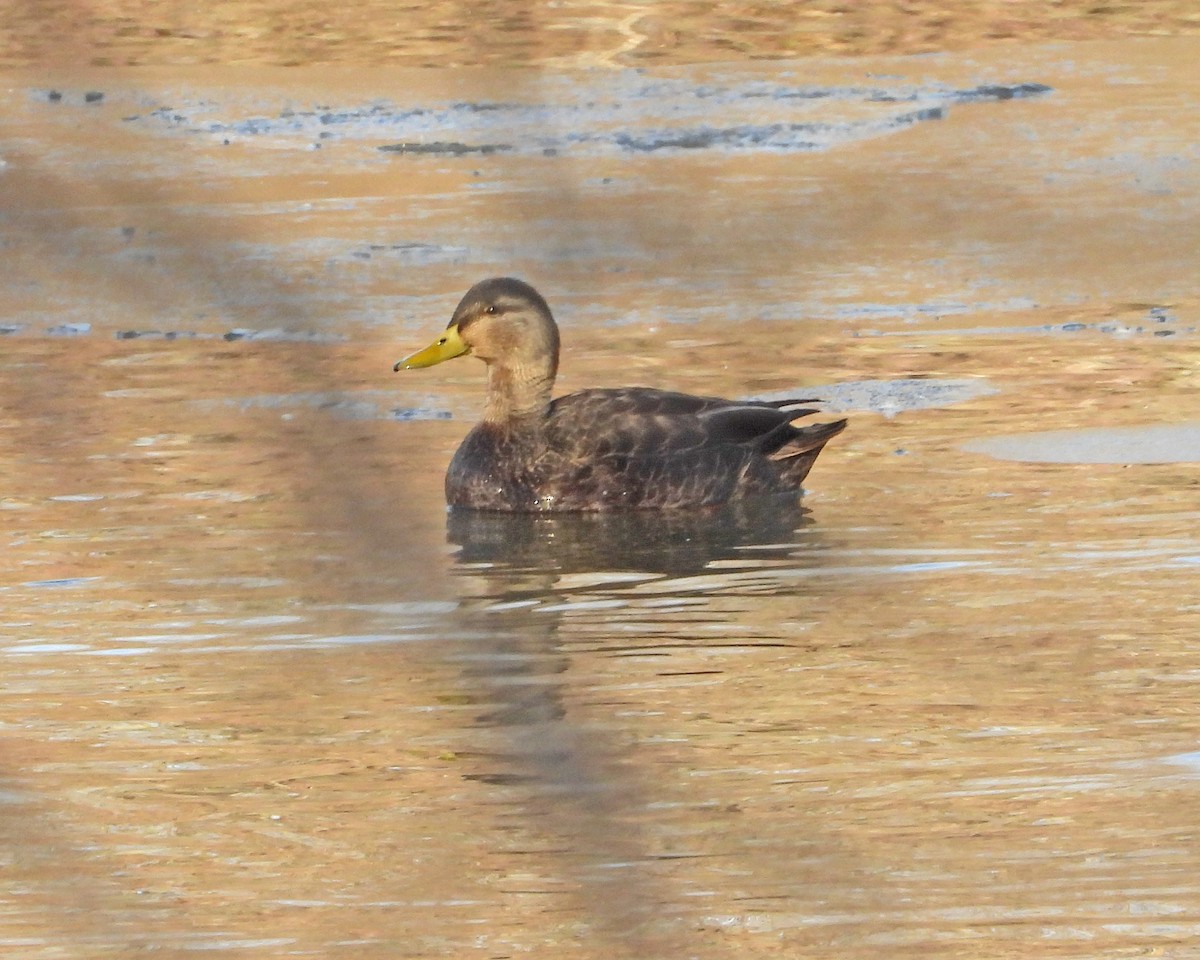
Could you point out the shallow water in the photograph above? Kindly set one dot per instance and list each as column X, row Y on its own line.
column 264, row 697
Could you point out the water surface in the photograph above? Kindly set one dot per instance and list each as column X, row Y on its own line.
column 265, row 697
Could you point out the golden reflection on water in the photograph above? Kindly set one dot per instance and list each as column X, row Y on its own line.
column 893, row 719
column 450, row 33
column 263, row 697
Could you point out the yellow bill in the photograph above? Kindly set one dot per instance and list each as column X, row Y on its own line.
column 449, row 346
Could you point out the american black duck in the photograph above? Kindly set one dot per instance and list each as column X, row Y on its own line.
column 623, row 448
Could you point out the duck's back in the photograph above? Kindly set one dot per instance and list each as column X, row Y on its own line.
column 635, row 448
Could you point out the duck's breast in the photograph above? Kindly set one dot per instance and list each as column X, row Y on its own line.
column 493, row 469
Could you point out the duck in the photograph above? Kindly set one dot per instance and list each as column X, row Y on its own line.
column 624, row 448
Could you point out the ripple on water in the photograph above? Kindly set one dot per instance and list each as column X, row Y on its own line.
column 59, row 583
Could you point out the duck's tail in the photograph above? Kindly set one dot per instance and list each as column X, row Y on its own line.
column 797, row 455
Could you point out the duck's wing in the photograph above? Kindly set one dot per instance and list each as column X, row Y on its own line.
column 638, row 422
column 640, row 447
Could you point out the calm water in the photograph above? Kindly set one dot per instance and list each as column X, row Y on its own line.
column 264, row 697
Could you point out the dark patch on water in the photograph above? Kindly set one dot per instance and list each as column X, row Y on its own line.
column 445, row 147
column 69, row 329
column 776, row 136
column 159, row 335
column 416, row 252
column 86, row 98
column 620, row 112
column 993, row 91
column 280, row 335
column 418, row 413
column 983, row 93
column 271, row 335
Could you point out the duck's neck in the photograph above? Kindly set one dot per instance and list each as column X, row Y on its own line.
column 517, row 394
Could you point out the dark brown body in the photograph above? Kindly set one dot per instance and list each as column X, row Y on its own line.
column 635, row 448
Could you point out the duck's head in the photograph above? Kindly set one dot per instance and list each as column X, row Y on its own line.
column 503, row 322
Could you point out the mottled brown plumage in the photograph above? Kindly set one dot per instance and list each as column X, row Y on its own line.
column 632, row 447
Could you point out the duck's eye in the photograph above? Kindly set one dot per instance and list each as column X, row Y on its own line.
column 490, row 308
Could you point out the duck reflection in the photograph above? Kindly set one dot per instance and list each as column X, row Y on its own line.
column 535, row 585
column 548, row 601
column 670, row 542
